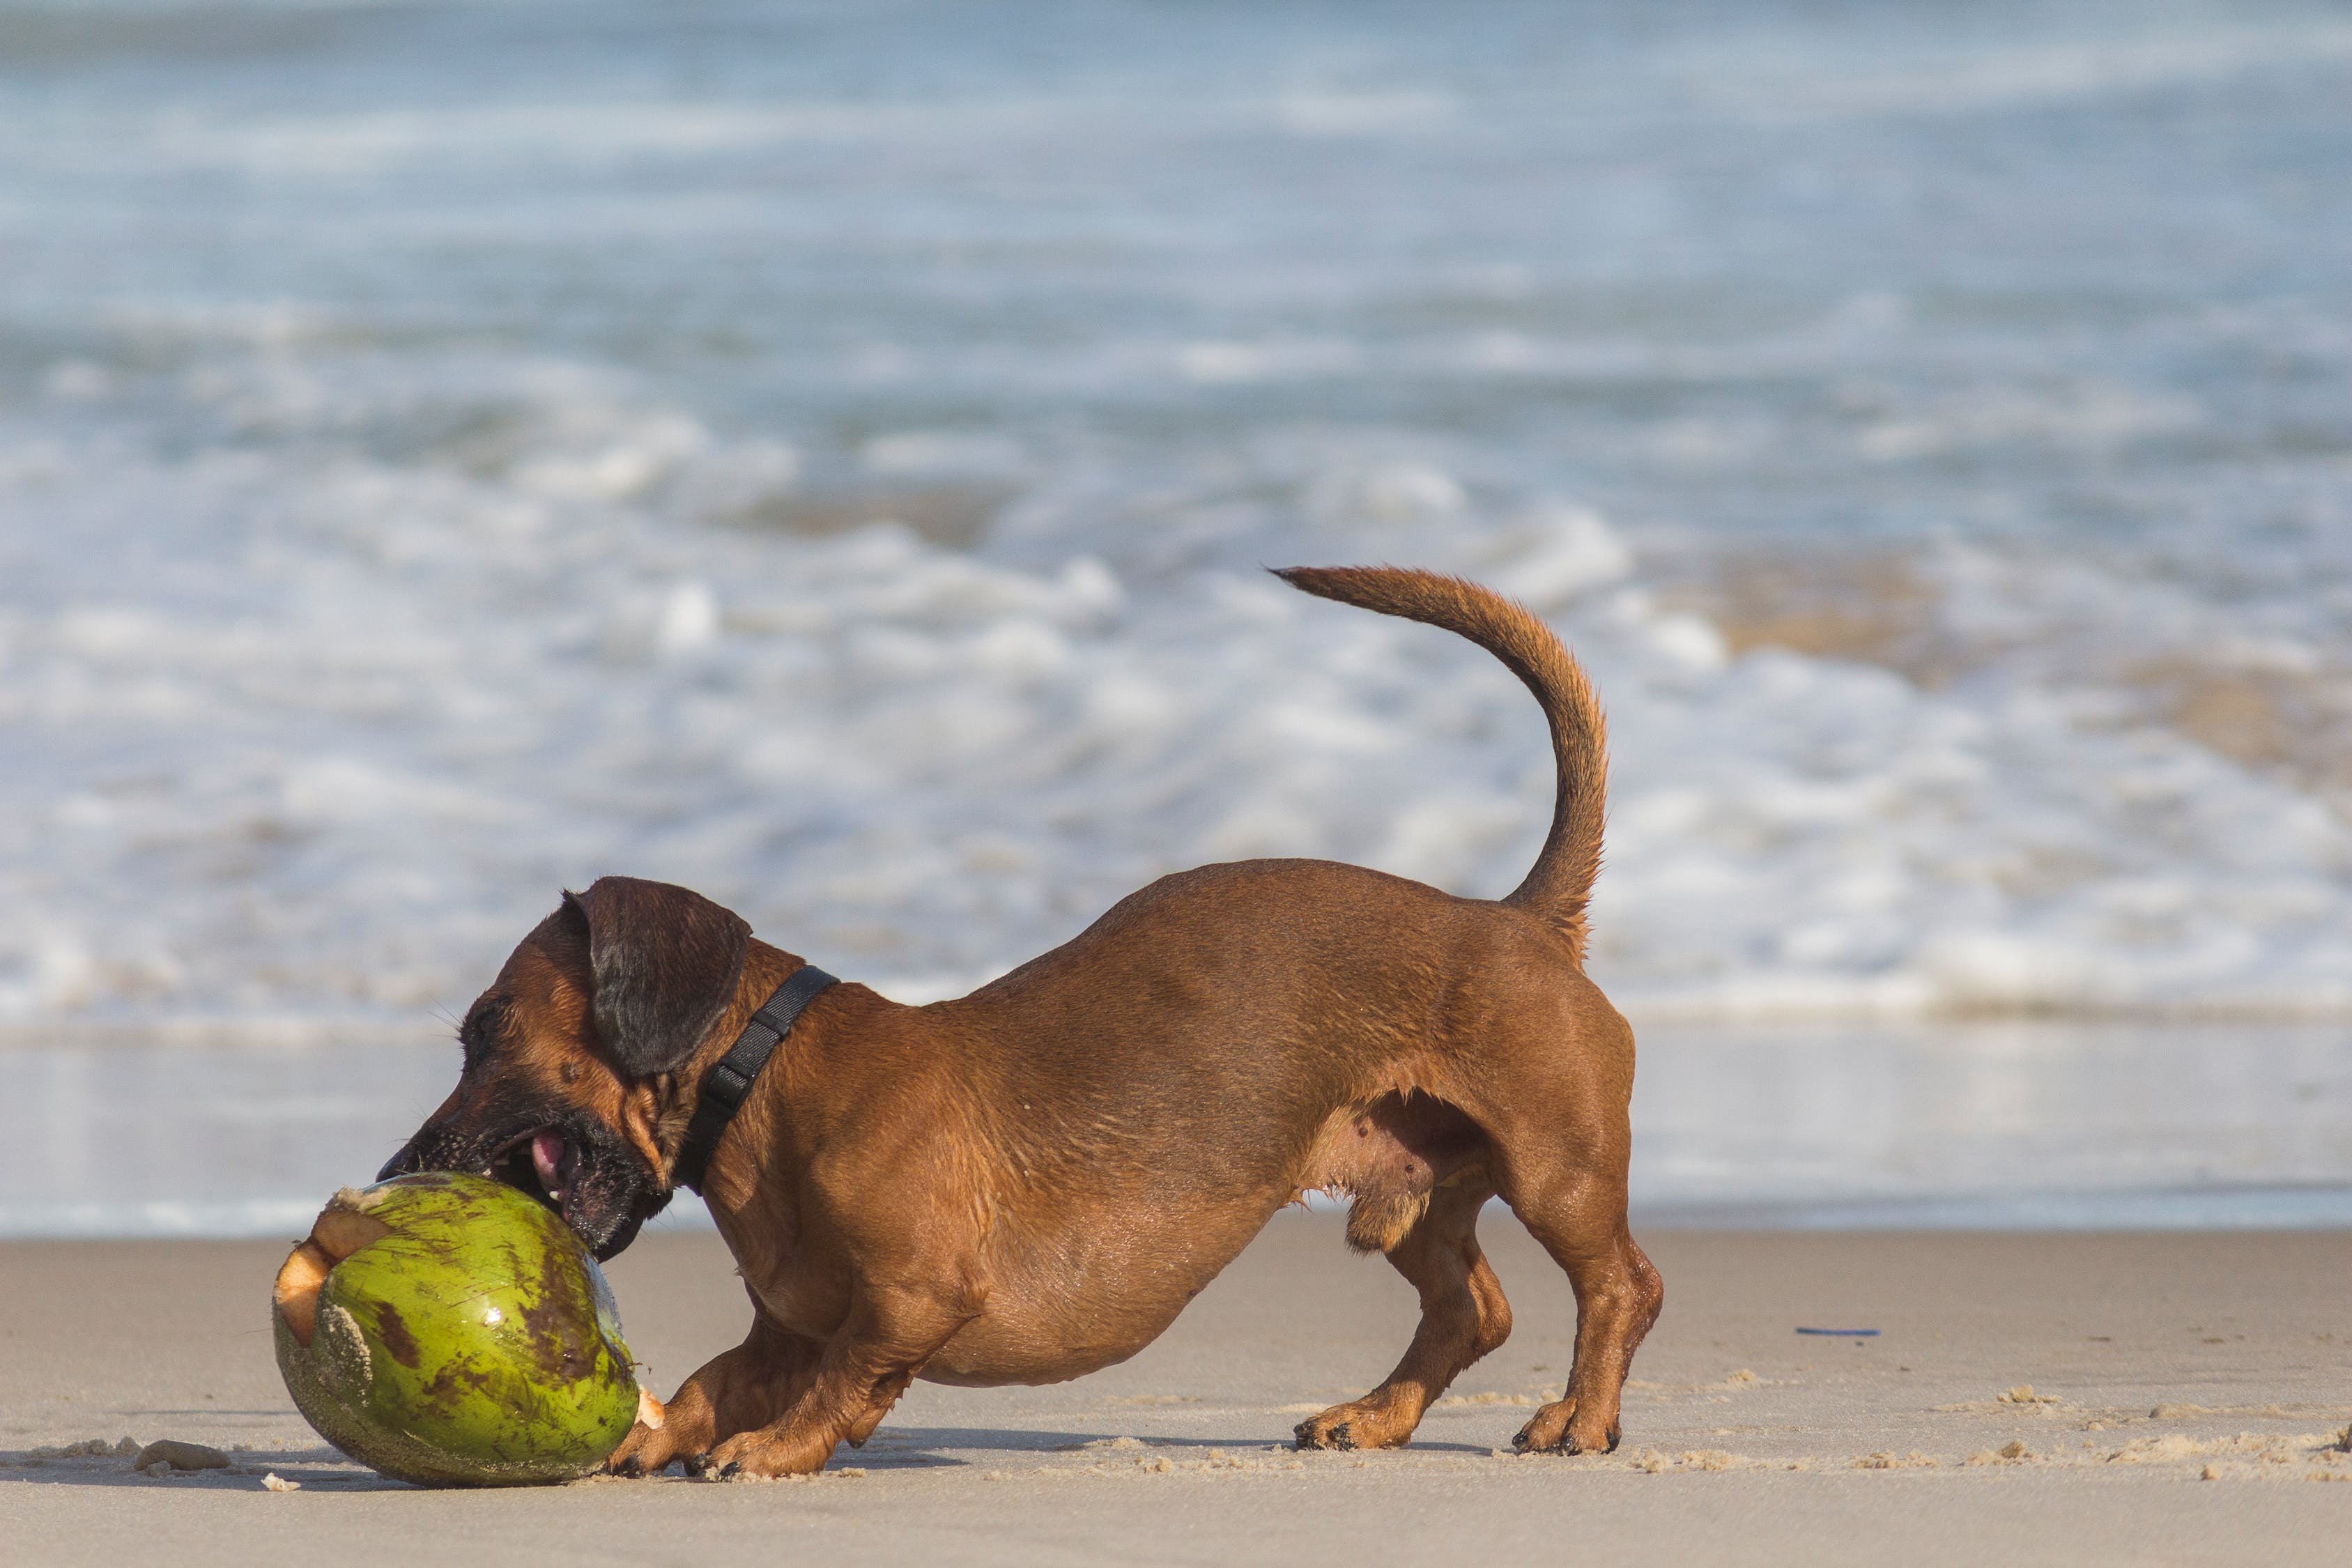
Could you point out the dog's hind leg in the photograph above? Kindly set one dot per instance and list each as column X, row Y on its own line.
column 1572, row 1200
column 1463, row 1316
column 1548, row 1076
column 1618, row 1295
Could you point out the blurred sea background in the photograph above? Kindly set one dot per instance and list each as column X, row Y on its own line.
column 823, row 453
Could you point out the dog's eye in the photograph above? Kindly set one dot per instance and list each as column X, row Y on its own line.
column 480, row 1031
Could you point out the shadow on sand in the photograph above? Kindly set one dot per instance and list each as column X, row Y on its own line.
column 892, row 1448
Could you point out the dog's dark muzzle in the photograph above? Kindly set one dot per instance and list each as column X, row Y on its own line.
column 578, row 1167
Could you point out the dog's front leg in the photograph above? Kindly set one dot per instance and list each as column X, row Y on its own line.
column 739, row 1391
column 891, row 1330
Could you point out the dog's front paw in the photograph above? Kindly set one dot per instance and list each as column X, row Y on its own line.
column 645, row 1451
column 1556, row 1430
column 656, row 1439
column 765, row 1454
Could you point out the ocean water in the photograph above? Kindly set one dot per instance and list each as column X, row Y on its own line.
column 824, row 455
column 2006, row 1126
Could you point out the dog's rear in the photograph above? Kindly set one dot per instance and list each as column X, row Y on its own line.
column 1561, row 882
column 1547, row 1086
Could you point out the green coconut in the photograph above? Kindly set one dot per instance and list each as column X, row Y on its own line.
column 447, row 1330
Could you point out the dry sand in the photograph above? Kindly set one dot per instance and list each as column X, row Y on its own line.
column 1744, row 1441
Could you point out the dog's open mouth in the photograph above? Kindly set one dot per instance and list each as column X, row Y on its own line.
column 583, row 1175
column 542, row 1162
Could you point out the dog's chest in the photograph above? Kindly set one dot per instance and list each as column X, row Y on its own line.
column 805, row 1292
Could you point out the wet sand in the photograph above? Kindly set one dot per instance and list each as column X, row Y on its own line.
column 2003, row 1414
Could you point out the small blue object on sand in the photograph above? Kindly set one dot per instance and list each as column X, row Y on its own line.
column 1844, row 1334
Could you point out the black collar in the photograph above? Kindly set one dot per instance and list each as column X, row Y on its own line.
column 729, row 1077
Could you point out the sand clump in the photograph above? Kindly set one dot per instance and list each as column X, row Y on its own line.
column 87, row 1449
column 1655, row 1462
column 2013, row 1452
column 1886, row 1459
column 1658, row 1462
column 1217, row 1459
column 2321, row 1456
column 165, row 1456
column 2023, row 1396
column 1744, row 1378
column 169, row 1455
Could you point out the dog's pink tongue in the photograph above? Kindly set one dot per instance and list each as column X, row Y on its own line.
column 546, row 1158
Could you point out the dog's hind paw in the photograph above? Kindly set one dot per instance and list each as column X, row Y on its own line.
column 1556, row 1430
column 1381, row 1419
column 1313, row 1435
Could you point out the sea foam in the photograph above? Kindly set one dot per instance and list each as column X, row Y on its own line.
column 343, row 739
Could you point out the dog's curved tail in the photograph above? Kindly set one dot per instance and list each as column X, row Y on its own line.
column 1561, row 882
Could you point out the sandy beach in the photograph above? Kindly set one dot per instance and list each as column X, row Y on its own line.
column 2050, row 1398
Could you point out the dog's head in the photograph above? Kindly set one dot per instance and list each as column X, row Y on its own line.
column 569, row 1085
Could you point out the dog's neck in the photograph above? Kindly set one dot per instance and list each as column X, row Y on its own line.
column 764, row 969
column 728, row 1082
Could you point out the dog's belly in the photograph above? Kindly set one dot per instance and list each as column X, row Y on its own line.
column 1088, row 1288
column 1093, row 1290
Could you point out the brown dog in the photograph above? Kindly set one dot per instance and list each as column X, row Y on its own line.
column 1029, row 1183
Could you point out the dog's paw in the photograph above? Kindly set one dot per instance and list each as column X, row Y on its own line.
column 765, row 1454
column 1367, row 1423
column 645, row 1451
column 1556, row 1430
column 1317, row 1434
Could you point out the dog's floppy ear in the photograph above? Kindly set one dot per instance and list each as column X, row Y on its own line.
column 665, row 962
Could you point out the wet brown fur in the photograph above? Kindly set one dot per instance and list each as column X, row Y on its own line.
column 1029, row 1183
